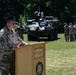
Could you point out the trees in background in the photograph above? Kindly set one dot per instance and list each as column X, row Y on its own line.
column 65, row 10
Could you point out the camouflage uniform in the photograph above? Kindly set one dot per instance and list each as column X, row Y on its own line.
column 66, row 32
column 75, row 32
column 71, row 32
column 7, row 53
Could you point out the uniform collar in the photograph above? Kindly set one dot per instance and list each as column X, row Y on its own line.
column 7, row 30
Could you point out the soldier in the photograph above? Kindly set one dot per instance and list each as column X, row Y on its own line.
column 75, row 32
column 71, row 31
column 9, row 40
column 21, row 30
column 66, row 32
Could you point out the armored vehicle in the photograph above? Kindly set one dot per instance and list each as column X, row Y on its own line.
column 43, row 29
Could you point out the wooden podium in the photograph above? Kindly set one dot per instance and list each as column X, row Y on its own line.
column 30, row 59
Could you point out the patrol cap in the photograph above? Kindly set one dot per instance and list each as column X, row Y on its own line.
column 11, row 18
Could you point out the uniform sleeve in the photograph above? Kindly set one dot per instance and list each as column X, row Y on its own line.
column 2, row 40
column 19, row 39
column 22, row 42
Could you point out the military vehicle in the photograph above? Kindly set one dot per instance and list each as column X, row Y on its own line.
column 43, row 29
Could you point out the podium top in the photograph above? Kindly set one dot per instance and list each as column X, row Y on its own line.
column 37, row 43
column 33, row 43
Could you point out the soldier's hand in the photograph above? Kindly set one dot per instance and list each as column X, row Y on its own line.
column 17, row 43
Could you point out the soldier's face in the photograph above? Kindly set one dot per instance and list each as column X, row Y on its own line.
column 10, row 25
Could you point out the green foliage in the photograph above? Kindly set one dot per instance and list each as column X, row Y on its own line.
column 65, row 10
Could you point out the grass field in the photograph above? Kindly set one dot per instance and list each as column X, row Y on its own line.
column 60, row 57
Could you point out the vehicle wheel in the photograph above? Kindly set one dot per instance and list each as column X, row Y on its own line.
column 49, row 37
